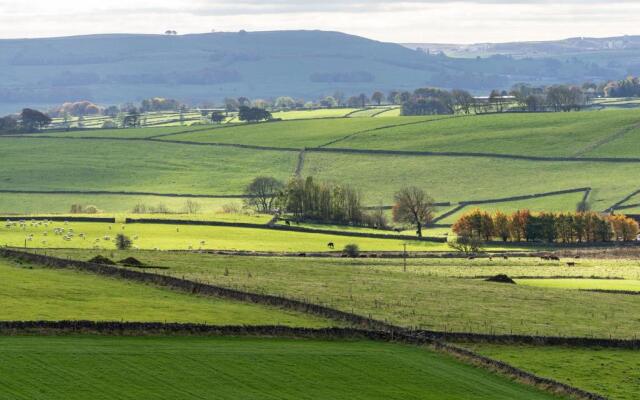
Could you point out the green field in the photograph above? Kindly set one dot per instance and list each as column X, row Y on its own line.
column 429, row 295
column 584, row 284
column 32, row 294
column 310, row 114
column 55, row 164
column 238, row 368
column 172, row 237
column 554, row 134
column 614, row 373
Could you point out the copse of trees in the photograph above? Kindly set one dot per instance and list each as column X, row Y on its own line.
column 522, row 225
column 253, row 114
column 629, row 87
column 159, row 104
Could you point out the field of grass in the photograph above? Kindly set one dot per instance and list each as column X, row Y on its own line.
column 429, row 295
column 139, row 133
column 467, row 178
column 614, row 373
column 369, row 112
column 239, row 368
column 54, row 164
column 551, row 203
column 308, row 114
column 555, row 134
column 171, row 237
column 33, row 294
column 45, row 204
column 585, row 284
column 296, row 134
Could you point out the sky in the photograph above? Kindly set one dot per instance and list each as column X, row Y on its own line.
column 409, row 21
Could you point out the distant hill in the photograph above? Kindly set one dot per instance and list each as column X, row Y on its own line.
column 111, row 69
column 620, row 55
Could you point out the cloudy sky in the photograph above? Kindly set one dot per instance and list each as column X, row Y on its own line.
column 440, row 21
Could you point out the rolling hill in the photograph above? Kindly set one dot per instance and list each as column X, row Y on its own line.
column 112, row 69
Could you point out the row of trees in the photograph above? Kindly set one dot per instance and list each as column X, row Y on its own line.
column 522, row 225
column 311, row 200
column 28, row 120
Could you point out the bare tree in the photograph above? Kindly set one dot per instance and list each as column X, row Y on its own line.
column 262, row 193
column 414, row 206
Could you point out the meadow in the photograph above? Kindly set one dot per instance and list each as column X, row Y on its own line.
column 30, row 293
column 234, row 368
column 583, row 284
column 614, row 373
column 171, row 237
column 429, row 295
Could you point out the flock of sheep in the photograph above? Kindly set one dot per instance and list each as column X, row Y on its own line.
column 68, row 234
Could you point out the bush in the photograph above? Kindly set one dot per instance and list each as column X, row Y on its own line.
column 466, row 244
column 123, row 242
column 351, row 250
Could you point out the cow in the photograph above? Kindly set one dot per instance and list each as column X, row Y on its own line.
column 331, row 245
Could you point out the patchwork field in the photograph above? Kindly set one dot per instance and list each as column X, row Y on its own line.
column 611, row 372
column 428, row 295
column 30, row 293
column 238, row 368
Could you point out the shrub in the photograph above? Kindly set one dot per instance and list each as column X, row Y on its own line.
column 466, row 244
column 123, row 242
column 351, row 250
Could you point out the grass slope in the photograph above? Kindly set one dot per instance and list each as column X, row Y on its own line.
column 239, row 368
column 466, row 178
column 611, row 372
column 31, row 293
column 423, row 296
column 135, row 166
column 554, row 134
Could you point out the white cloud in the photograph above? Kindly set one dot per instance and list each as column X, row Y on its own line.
column 400, row 21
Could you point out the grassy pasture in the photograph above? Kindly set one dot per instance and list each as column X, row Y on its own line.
column 33, row 294
column 171, row 237
column 138, row 133
column 553, row 134
column 45, row 204
column 552, row 203
column 307, row 114
column 53, row 164
column 600, row 284
column 234, row 368
column 296, row 134
column 429, row 295
column 369, row 112
column 466, row 178
column 614, row 373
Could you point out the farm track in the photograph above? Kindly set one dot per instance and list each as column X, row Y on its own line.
column 611, row 138
column 300, row 164
column 382, row 331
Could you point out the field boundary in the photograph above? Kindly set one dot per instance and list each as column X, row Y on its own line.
column 619, row 134
column 392, row 331
column 125, row 193
column 621, row 202
column 57, row 219
column 281, row 228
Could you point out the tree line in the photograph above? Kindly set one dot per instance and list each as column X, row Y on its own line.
column 28, row 120
column 326, row 202
column 525, row 226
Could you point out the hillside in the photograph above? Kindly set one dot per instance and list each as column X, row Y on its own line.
column 456, row 159
column 112, row 69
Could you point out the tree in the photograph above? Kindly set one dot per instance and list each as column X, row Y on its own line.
column 351, row 250
column 8, row 123
column 262, row 193
column 466, row 244
column 33, row 120
column 123, row 242
column 253, row 114
column 414, row 206
column 285, row 102
column 231, row 105
column 463, row 100
column 377, row 97
column 217, row 117
column 192, row 207
column 501, row 225
column 363, row 100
